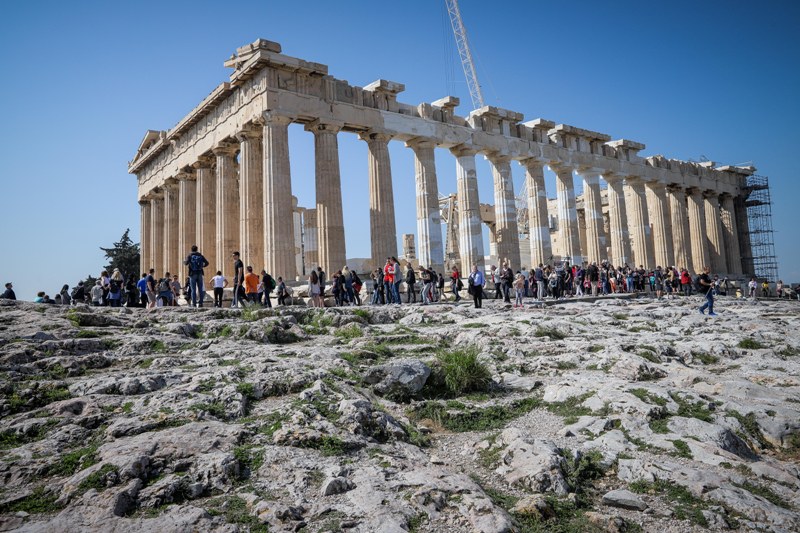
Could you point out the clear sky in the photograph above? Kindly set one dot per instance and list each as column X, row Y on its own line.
column 83, row 81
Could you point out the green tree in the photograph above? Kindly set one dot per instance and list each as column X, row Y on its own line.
column 124, row 255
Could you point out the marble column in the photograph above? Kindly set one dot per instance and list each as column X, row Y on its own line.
column 593, row 209
column 719, row 264
column 329, row 218
column 310, row 241
column 567, row 214
column 470, row 242
column 639, row 223
column 743, row 225
column 157, row 233
column 731, row 234
column 144, row 231
column 505, row 211
column 251, row 196
column 697, row 231
column 206, row 212
column 538, row 224
column 618, row 221
column 429, row 246
column 187, row 226
column 383, row 232
column 279, row 231
column 227, row 231
column 171, row 211
column 680, row 227
column 662, row 240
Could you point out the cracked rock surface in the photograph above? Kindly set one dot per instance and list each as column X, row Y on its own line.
column 615, row 415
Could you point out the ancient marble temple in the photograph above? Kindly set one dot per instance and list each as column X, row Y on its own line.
column 221, row 179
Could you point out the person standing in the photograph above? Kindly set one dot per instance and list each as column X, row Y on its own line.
column 268, row 285
column 66, row 299
column 218, row 283
column 388, row 280
column 238, row 278
column 281, row 292
column 97, row 294
column 398, row 279
column 151, row 288
column 114, row 293
column 476, row 281
column 704, row 281
column 196, row 263
column 78, row 294
column 322, row 279
column 9, row 293
column 519, row 289
column 455, row 281
column 176, row 289
column 411, row 284
column 142, row 286
column 251, row 285
column 313, row 289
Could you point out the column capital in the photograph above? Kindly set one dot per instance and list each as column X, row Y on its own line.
column 612, row 177
column 710, row 193
column 187, row 173
column 250, row 131
column 532, row 161
column 204, row 161
column 462, row 150
column 589, row 171
column 272, row 117
column 156, row 194
column 420, row 143
column 171, row 183
column 376, row 136
column 558, row 166
column 228, row 148
column 498, row 158
column 675, row 187
column 319, row 126
column 145, row 201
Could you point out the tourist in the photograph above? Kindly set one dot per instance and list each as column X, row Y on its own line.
column 196, row 263
column 476, row 281
column 765, row 289
column 377, row 287
column 411, row 284
column 131, row 292
column 455, row 283
column 538, row 276
column 164, row 291
column 40, row 297
column 96, row 294
column 251, row 285
column 686, row 282
column 388, row 280
column 314, row 291
column 336, row 288
column 357, row 285
column 151, row 288
column 397, row 279
column 112, row 295
column 323, row 280
column 238, row 278
column 66, row 299
column 142, row 286
column 779, row 289
column 269, row 286
column 519, row 289
column 175, row 285
column 218, row 283
column 282, row 292
column 425, row 278
column 78, row 294
column 704, row 282
column 347, row 279
column 9, row 293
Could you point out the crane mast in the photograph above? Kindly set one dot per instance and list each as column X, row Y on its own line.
column 464, row 53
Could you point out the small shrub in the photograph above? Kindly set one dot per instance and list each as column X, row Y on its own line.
column 750, row 344
column 247, row 390
column 682, row 449
column 619, row 316
column 595, row 348
column 685, row 505
column 349, row 332
column 36, row 503
column 250, row 458
column 551, row 333
column 98, row 480
column 463, row 372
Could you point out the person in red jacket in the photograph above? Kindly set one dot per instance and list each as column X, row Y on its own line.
column 388, row 280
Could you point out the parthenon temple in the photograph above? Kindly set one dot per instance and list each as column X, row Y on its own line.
column 221, row 179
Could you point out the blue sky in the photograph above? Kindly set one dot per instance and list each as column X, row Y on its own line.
column 83, row 81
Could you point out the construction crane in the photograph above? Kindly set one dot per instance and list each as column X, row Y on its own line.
column 464, row 53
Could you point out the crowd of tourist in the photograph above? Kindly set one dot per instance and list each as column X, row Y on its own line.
column 557, row 281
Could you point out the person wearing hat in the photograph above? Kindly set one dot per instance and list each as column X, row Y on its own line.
column 8, row 294
column 238, row 278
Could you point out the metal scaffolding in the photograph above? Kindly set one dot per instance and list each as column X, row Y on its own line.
column 759, row 219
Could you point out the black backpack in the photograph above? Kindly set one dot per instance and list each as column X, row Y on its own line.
column 196, row 263
column 115, row 286
column 163, row 285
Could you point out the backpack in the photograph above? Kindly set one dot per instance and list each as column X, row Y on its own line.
column 270, row 283
column 356, row 279
column 459, row 284
column 163, row 285
column 115, row 286
column 697, row 286
column 196, row 263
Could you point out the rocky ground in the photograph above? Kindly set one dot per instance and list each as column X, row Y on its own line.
column 616, row 415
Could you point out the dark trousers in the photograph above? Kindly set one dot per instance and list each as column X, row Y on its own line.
column 411, row 292
column 477, row 297
column 267, row 300
column 144, row 299
column 217, row 296
column 197, row 289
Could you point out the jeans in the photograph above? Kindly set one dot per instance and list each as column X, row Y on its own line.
column 540, row 290
column 388, row 293
column 396, row 291
column 197, row 288
column 426, row 292
column 217, row 296
column 235, row 302
column 454, row 287
column 518, row 299
column 709, row 302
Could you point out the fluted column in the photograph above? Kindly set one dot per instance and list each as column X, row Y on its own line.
column 171, row 209
column 279, row 232
column 430, row 250
column 206, row 211
column 538, row 224
column 697, row 231
column 144, row 231
column 639, row 223
column 157, row 232
column 719, row 264
column 743, row 225
column 227, row 234
column 731, row 234
column 505, row 211
column 187, row 219
column 470, row 242
column 329, row 218
column 680, row 227
column 593, row 208
column 251, row 196
column 567, row 213
column 662, row 240
column 618, row 221
column 383, row 232
column 310, row 241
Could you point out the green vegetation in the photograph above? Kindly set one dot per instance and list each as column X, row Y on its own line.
column 146, row 362
column 215, row 408
column 566, row 365
column 12, row 439
column 463, row 372
column 127, row 408
column 751, row 428
column 474, row 325
column 98, row 480
column 648, row 397
column 684, row 504
column 688, row 409
column 750, row 344
column 706, row 358
column 225, row 331
column 235, row 511
column 594, row 348
column 327, row 445
column 682, row 449
column 363, row 313
column 273, row 422
column 157, row 346
column 247, row 390
column 650, row 356
column 36, row 503
column 250, row 458
column 765, row 492
column 88, row 334
column 660, row 424
column 76, row 460
column 475, row 418
column 619, row 316
column 551, row 333
column 44, row 394
column 571, row 407
column 349, row 332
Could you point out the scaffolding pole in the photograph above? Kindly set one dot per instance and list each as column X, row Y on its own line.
column 759, row 219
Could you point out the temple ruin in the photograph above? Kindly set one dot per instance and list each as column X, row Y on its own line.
column 220, row 179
